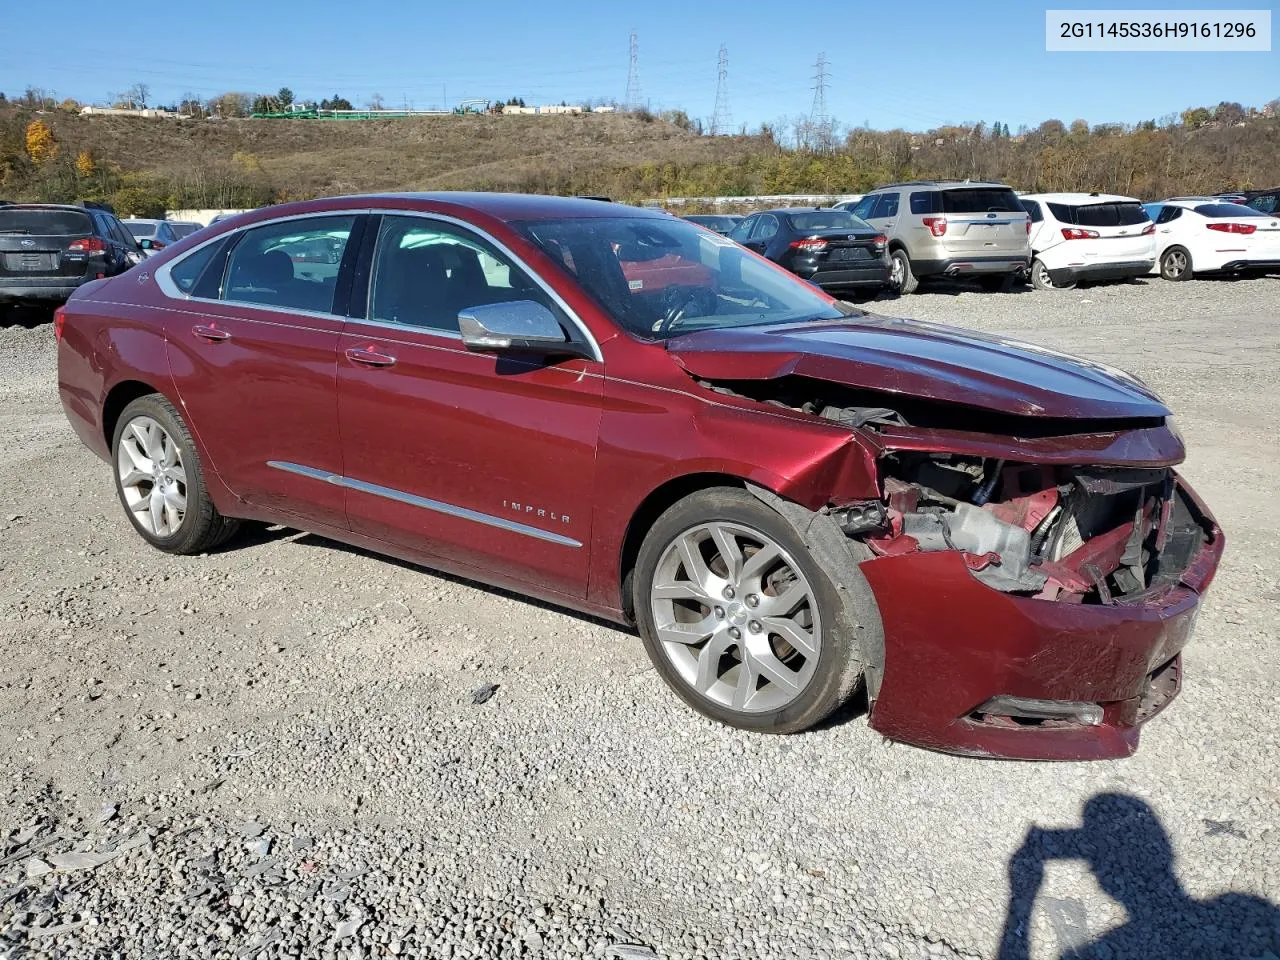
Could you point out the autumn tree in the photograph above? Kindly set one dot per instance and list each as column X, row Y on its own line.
column 1228, row 112
column 41, row 145
column 1080, row 127
column 85, row 165
column 1195, row 117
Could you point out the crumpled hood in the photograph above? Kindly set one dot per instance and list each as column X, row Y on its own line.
column 917, row 359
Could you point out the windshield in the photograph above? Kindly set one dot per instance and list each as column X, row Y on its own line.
column 826, row 220
column 46, row 222
column 141, row 229
column 662, row 277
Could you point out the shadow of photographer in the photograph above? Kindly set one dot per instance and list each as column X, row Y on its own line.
column 1124, row 844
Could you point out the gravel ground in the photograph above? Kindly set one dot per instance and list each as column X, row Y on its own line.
column 273, row 751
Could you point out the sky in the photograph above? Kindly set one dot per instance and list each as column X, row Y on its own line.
column 911, row 65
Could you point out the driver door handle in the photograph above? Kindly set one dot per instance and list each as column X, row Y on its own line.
column 370, row 358
column 211, row 334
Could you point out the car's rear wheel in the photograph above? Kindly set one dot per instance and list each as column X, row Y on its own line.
column 1041, row 279
column 900, row 276
column 1175, row 264
column 160, row 482
column 738, row 618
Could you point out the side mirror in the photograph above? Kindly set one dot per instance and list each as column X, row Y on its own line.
column 519, row 325
column 145, row 244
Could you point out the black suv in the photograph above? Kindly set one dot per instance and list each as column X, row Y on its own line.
column 47, row 250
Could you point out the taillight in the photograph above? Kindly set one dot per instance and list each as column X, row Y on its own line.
column 59, row 321
column 1075, row 233
column 937, row 225
column 1028, row 226
column 1245, row 228
column 881, row 241
column 810, row 243
column 87, row 245
column 157, row 245
column 1149, row 229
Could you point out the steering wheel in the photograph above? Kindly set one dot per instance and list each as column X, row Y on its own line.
column 682, row 302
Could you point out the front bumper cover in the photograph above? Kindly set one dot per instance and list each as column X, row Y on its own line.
column 952, row 644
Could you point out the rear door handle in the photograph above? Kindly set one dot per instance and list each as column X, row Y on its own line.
column 212, row 334
column 370, row 358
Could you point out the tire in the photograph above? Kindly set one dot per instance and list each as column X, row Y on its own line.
column 819, row 672
column 1041, row 280
column 1175, row 264
column 902, row 277
column 149, row 426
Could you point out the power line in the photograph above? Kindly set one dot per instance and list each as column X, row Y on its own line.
column 633, row 74
column 722, row 119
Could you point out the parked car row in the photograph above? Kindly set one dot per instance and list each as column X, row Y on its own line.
column 902, row 235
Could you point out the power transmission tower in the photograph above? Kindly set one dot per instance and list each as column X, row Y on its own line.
column 633, row 75
column 819, row 119
column 722, row 119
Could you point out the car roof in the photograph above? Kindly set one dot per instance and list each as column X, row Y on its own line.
column 1079, row 199
column 142, row 220
column 47, row 206
column 796, row 210
column 941, row 185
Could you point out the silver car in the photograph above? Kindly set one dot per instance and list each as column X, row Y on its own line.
column 152, row 235
column 950, row 228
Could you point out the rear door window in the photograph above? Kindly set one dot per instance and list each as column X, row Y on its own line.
column 1169, row 214
column 743, row 230
column 44, row 222
column 980, row 200
column 765, row 228
column 292, row 264
column 1110, row 215
column 1265, row 204
column 186, row 273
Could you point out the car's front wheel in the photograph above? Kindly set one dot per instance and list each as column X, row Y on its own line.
column 737, row 616
column 160, row 482
column 901, row 277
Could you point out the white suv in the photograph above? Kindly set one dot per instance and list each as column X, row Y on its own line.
column 1087, row 236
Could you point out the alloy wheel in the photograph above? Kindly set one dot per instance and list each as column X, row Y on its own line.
column 152, row 477
column 736, row 617
column 1175, row 263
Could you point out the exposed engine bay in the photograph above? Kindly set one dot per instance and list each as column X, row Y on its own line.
column 1074, row 534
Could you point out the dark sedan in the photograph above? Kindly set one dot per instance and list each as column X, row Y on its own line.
column 721, row 223
column 831, row 248
column 626, row 414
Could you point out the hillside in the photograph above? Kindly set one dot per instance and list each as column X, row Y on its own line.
column 143, row 165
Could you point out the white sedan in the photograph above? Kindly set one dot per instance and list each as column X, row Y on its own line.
column 1086, row 237
column 1205, row 235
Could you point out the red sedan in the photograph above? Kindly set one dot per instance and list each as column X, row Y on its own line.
column 623, row 413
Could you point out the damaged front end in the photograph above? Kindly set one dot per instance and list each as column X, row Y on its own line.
column 1037, row 578
column 1093, row 534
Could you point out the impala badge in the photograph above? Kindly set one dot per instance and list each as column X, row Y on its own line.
column 529, row 510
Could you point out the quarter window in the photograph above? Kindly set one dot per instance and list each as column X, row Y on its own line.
column 292, row 264
column 186, row 272
column 1033, row 210
column 425, row 272
column 924, row 201
column 1169, row 213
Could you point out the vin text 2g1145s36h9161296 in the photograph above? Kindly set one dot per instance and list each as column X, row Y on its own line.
column 627, row 414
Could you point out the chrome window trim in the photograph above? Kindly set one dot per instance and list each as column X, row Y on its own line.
column 413, row 500
column 171, row 289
